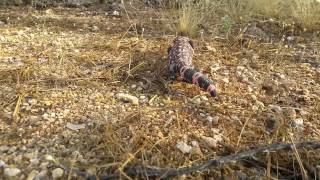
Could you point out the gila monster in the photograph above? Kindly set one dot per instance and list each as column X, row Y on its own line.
column 180, row 64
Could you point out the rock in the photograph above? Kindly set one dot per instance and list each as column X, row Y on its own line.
column 57, row 173
column 275, row 108
column 32, row 175
column 128, row 98
column 95, row 29
column 260, row 104
column 115, row 13
column 133, row 86
column 204, row 98
column 42, row 175
column 194, row 143
column 2, row 164
column 213, row 120
column 212, row 142
column 2, row 23
column 184, row 147
column 196, row 100
column 11, row 172
column 297, row 122
column 75, row 127
column 254, row 98
column 210, row 48
column 241, row 175
column 195, row 148
column 225, row 80
column 4, row 148
column 240, row 68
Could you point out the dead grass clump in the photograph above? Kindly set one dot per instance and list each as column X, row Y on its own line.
column 268, row 8
column 307, row 13
column 185, row 17
column 237, row 10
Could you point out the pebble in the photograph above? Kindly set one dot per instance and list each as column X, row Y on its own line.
column 275, row 108
column 212, row 142
column 260, row 104
column 196, row 101
column 2, row 164
column 42, row 174
column 298, row 122
column 226, row 80
column 95, row 28
column 57, row 173
column 11, row 172
column 213, row 120
column 204, row 98
column 184, row 147
column 2, row 23
column 133, row 86
column 128, row 98
column 32, row 175
column 4, row 148
column 210, row 48
column 115, row 13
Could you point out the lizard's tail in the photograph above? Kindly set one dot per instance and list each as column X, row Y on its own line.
column 192, row 75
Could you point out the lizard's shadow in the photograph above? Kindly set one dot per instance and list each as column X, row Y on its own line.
column 151, row 69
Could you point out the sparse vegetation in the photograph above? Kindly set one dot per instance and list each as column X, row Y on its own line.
column 63, row 69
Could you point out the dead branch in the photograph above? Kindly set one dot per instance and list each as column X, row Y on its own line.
column 162, row 173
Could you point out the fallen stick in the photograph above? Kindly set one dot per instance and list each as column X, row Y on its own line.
column 162, row 173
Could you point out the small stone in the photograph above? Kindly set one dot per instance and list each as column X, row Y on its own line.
column 297, row 122
column 210, row 48
column 49, row 157
column 128, row 98
column 212, row 142
column 32, row 175
column 42, row 174
column 240, row 68
column 213, row 120
column 11, row 172
column 225, row 80
column 75, row 127
column 2, row 23
column 204, row 98
column 254, row 98
column 260, row 104
column 196, row 101
column 4, row 148
column 115, row 13
column 275, row 108
column 2, row 164
column 184, row 147
column 241, row 175
column 194, row 143
column 133, row 86
column 255, row 108
column 95, row 29
column 57, row 173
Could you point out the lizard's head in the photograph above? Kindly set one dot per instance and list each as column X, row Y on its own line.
column 181, row 39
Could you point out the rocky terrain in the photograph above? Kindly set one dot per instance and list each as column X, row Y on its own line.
column 88, row 89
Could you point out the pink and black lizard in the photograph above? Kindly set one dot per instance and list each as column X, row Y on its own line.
column 180, row 64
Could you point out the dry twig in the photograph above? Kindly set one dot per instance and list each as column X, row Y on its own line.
column 162, row 173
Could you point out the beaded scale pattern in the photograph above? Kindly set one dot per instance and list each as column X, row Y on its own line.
column 180, row 63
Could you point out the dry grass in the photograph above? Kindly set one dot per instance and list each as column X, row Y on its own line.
column 307, row 13
column 66, row 66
